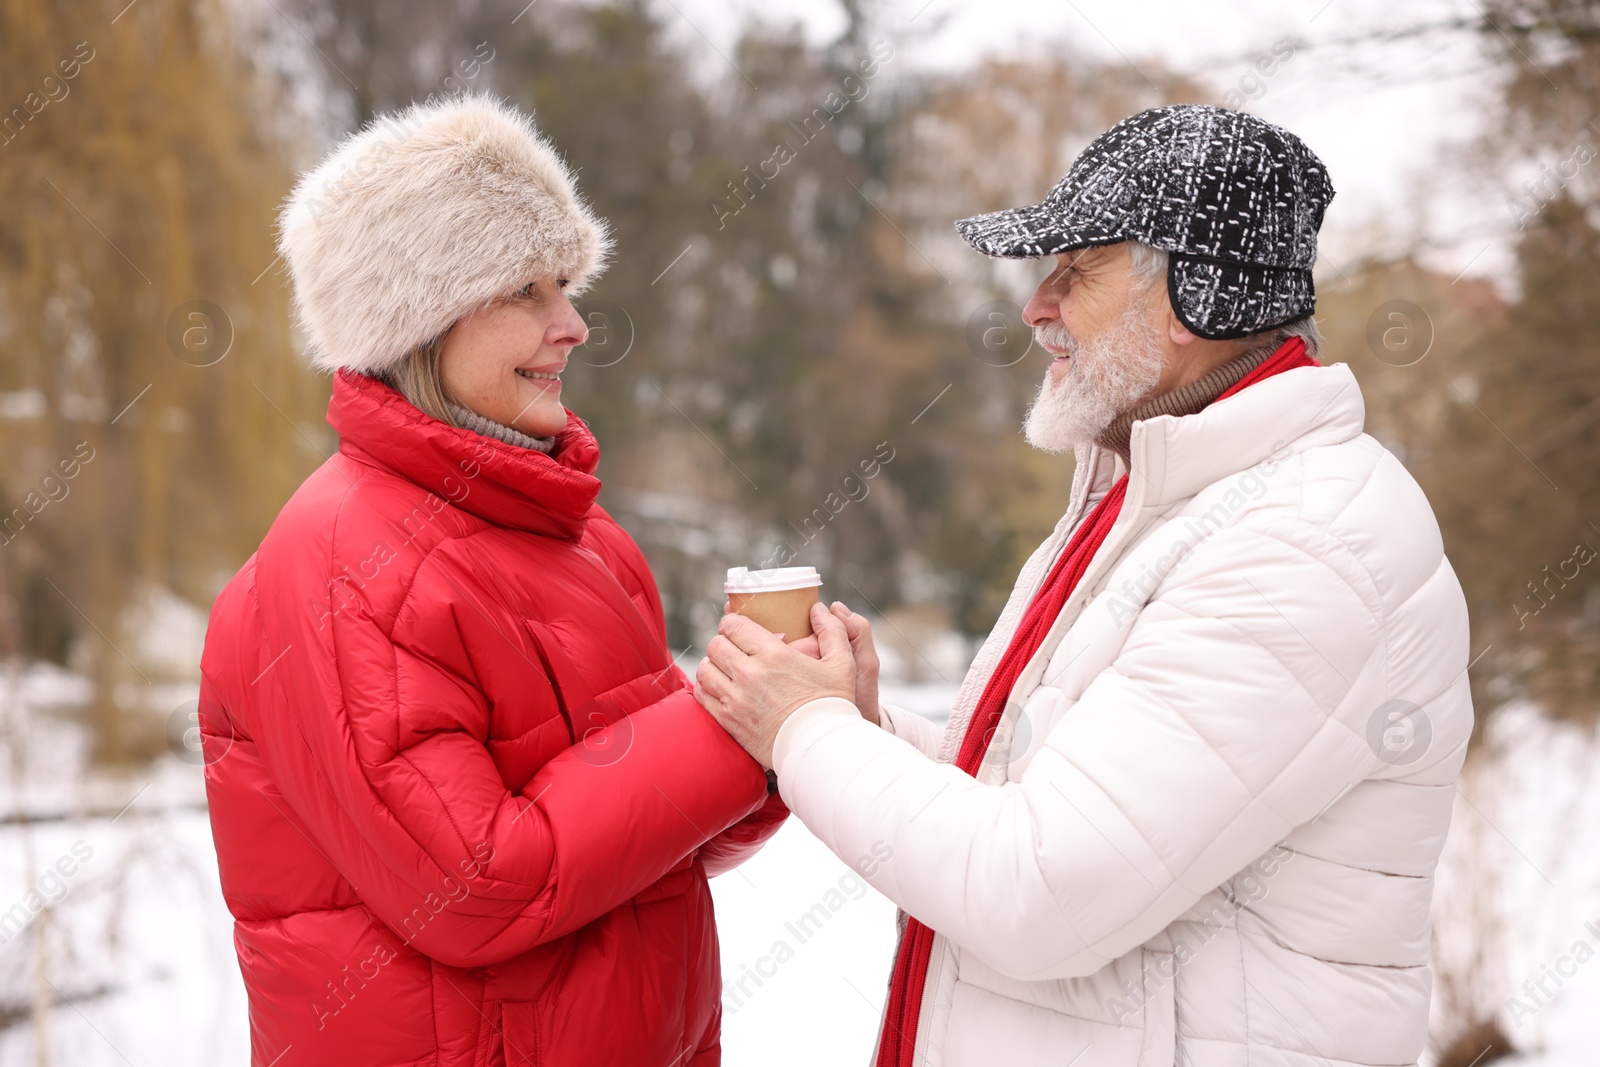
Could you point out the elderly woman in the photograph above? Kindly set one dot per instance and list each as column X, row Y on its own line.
column 465, row 805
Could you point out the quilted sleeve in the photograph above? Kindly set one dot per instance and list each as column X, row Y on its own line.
column 1235, row 711
column 922, row 733
column 384, row 768
column 744, row 839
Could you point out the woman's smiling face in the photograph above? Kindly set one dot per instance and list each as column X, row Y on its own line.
column 504, row 361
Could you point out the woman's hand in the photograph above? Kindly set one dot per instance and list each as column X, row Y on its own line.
column 859, row 630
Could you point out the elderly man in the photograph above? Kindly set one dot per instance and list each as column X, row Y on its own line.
column 1190, row 799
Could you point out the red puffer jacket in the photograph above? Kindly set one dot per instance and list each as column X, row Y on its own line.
column 464, row 804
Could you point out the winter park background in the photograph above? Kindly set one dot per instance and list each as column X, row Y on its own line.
column 773, row 322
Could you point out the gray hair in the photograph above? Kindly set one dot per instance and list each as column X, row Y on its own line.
column 1149, row 268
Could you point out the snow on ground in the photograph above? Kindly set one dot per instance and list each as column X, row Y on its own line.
column 140, row 942
column 809, row 942
column 141, row 947
column 1522, row 868
column 115, row 879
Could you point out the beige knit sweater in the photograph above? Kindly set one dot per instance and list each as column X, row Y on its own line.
column 471, row 420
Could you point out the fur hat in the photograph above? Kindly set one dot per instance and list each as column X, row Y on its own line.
column 422, row 217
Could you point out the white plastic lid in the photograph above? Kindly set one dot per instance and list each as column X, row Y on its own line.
column 776, row 579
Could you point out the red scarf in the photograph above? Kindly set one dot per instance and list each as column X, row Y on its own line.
column 898, row 1039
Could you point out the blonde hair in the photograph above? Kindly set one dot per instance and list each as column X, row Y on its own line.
column 416, row 377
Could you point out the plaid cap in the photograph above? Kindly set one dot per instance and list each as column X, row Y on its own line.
column 1236, row 201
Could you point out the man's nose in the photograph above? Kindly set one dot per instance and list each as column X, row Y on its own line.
column 1041, row 308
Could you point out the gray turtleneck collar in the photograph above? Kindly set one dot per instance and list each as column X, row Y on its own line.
column 471, row 420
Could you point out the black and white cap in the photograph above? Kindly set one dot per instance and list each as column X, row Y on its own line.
column 1236, row 201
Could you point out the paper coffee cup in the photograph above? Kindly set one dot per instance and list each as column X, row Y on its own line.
column 779, row 599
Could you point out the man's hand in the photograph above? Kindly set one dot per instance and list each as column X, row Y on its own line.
column 859, row 631
column 751, row 681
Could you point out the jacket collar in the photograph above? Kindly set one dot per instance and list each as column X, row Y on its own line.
column 1173, row 458
column 499, row 483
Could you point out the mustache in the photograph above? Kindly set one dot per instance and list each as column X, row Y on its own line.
column 1056, row 335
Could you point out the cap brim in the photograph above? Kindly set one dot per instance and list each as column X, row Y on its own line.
column 1221, row 301
column 1030, row 232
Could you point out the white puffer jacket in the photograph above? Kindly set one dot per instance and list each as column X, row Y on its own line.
column 1206, row 830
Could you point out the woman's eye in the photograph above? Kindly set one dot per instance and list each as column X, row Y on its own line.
column 526, row 290
column 562, row 283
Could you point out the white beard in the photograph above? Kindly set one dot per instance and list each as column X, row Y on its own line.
column 1107, row 375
